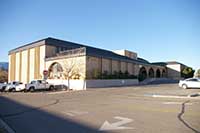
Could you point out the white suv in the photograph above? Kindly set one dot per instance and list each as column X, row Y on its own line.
column 190, row 83
column 15, row 86
column 39, row 85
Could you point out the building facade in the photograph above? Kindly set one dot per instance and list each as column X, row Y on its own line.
column 65, row 59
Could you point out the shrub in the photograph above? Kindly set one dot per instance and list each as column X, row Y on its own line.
column 187, row 72
column 3, row 76
column 97, row 74
column 197, row 73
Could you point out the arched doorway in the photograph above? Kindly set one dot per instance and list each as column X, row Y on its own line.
column 55, row 71
column 164, row 74
column 142, row 74
column 157, row 73
column 151, row 73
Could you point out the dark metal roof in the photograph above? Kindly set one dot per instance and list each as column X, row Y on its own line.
column 90, row 51
column 167, row 63
column 160, row 63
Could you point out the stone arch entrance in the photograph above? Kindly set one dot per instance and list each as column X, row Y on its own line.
column 158, row 73
column 151, row 73
column 142, row 74
column 55, row 71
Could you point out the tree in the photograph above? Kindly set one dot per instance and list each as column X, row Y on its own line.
column 188, row 72
column 73, row 68
column 197, row 73
column 3, row 76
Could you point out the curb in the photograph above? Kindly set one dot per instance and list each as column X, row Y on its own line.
column 5, row 127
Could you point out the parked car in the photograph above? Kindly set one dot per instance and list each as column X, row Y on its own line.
column 3, row 86
column 15, row 86
column 39, row 85
column 190, row 83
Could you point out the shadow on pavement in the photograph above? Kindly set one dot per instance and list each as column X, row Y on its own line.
column 25, row 119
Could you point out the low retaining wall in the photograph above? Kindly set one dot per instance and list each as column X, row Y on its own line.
column 83, row 84
column 73, row 84
column 110, row 83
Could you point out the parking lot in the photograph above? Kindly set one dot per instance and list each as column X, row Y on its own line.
column 151, row 108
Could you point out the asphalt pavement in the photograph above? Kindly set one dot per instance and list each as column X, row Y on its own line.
column 123, row 109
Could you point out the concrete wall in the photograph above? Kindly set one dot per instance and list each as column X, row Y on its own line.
column 110, row 83
column 73, row 84
column 86, row 84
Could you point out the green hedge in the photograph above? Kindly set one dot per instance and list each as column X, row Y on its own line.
column 114, row 75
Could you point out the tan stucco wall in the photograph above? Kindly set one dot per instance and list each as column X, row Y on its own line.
column 130, row 68
column 115, row 66
column 24, row 66
column 31, row 66
column 93, row 66
column 30, row 63
column 27, row 65
column 50, row 51
column 106, row 65
column 42, row 59
column 17, row 66
column 136, row 69
column 123, row 66
column 94, row 63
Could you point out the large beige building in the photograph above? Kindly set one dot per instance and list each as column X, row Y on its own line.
column 65, row 59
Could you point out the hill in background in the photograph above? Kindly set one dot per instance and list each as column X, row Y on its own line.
column 4, row 65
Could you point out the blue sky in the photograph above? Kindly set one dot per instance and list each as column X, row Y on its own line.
column 158, row 30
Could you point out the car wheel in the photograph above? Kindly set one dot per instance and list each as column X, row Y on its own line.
column 184, row 86
column 12, row 90
column 51, row 88
column 3, row 89
column 32, row 89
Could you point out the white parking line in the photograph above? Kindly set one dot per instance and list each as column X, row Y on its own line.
column 176, row 103
column 73, row 113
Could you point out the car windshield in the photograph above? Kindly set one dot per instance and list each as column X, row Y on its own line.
column 33, row 82
column 192, row 80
